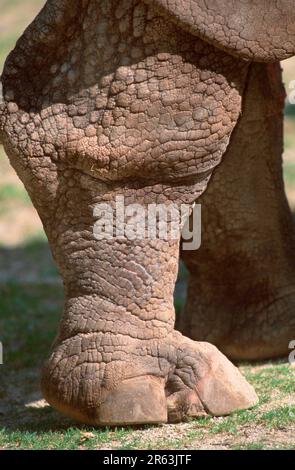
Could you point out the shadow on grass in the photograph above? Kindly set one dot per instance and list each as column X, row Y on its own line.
column 290, row 110
column 48, row 420
column 31, row 302
column 29, row 263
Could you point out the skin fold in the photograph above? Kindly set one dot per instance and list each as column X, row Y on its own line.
column 259, row 30
column 241, row 293
column 105, row 98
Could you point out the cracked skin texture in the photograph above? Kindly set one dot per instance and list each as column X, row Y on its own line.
column 241, row 294
column 104, row 98
column 259, row 30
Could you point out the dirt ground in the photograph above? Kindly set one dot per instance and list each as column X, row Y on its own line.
column 28, row 420
column 31, row 301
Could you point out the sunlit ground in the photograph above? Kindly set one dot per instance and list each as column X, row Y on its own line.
column 30, row 304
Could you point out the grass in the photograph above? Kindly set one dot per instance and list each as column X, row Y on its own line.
column 70, row 439
column 290, row 111
column 289, row 174
column 13, row 193
column 29, row 318
column 279, row 418
column 30, row 309
column 290, row 130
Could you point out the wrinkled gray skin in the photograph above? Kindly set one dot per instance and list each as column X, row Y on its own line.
column 241, row 294
column 137, row 98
